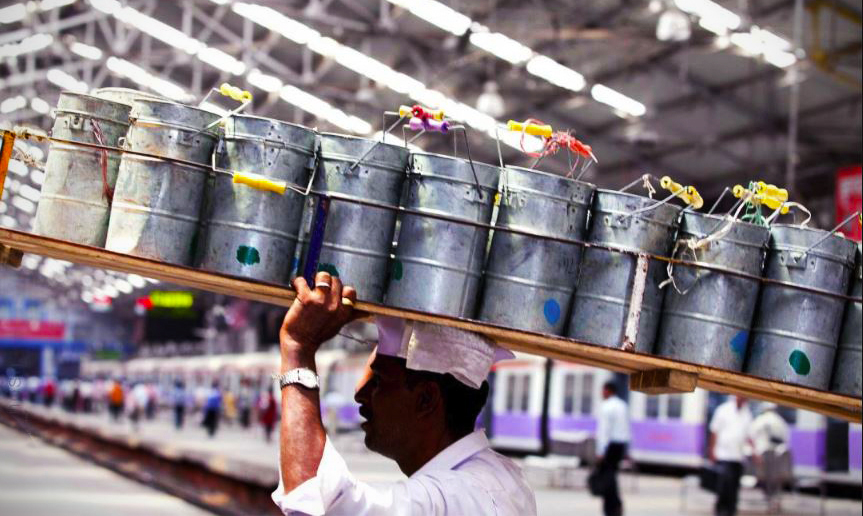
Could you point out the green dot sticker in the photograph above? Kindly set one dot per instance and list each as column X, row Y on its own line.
column 799, row 362
column 398, row 270
column 248, row 255
column 330, row 268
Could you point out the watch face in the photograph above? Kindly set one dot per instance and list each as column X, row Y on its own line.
column 308, row 379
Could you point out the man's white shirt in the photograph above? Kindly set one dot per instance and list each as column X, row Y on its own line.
column 731, row 426
column 768, row 431
column 613, row 424
column 466, row 478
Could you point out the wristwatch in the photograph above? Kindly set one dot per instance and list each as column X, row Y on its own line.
column 303, row 376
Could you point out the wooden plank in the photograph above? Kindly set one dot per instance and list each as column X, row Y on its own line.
column 7, row 142
column 845, row 411
column 663, row 381
column 551, row 346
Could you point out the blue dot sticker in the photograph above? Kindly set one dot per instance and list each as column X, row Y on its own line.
column 551, row 310
column 738, row 343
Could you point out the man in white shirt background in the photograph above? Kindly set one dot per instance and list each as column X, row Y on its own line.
column 729, row 434
column 612, row 441
column 423, row 390
column 770, row 434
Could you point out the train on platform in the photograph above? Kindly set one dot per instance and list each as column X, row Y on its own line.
column 535, row 406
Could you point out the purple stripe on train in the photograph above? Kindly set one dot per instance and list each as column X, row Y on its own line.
column 855, row 449
column 516, row 425
column 572, row 424
column 673, row 437
column 808, row 448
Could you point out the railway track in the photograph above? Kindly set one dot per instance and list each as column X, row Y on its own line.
column 219, row 485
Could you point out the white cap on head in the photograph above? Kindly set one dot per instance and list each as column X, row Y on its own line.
column 466, row 355
column 767, row 406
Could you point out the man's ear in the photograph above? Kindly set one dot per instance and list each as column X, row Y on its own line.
column 428, row 397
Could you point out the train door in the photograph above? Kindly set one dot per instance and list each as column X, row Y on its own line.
column 575, row 393
column 836, row 446
column 808, row 440
column 517, row 404
column 668, row 429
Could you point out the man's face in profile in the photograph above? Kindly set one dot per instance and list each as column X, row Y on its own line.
column 387, row 404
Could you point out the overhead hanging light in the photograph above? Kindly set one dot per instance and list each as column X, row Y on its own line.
column 86, row 51
column 502, row 47
column 618, row 101
column 137, row 74
column 19, row 11
column 40, row 105
column 25, row 205
column 33, row 43
column 673, row 25
column 490, row 101
column 263, row 81
column 13, row 104
column 65, row 81
column 547, row 68
column 221, row 60
column 437, row 14
column 499, row 45
column 712, row 16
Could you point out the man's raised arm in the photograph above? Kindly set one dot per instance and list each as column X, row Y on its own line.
column 317, row 315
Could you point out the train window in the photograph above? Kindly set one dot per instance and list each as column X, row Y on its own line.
column 587, row 393
column 510, row 393
column 674, row 410
column 569, row 393
column 652, row 407
column 525, row 392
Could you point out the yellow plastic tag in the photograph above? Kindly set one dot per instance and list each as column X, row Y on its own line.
column 532, row 129
column 235, row 93
column 260, row 182
column 687, row 194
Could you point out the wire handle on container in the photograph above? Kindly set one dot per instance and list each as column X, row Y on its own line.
column 693, row 245
column 831, row 232
column 404, row 113
column 444, row 126
column 264, row 183
column 645, row 182
column 688, row 194
column 242, row 96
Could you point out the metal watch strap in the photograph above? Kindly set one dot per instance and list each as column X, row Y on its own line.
column 301, row 376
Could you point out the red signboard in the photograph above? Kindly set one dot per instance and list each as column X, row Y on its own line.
column 25, row 329
column 848, row 199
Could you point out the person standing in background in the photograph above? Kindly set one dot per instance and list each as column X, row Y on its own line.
column 268, row 413
column 612, row 440
column 115, row 400
column 178, row 398
column 139, row 397
column 212, row 409
column 770, row 434
column 49, row 390
column 729, row 430
column 244, row 403
column 229, row 403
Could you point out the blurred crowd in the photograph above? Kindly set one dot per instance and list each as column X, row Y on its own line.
column 209, row 405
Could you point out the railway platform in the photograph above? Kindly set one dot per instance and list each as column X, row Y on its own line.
column 245, row 456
